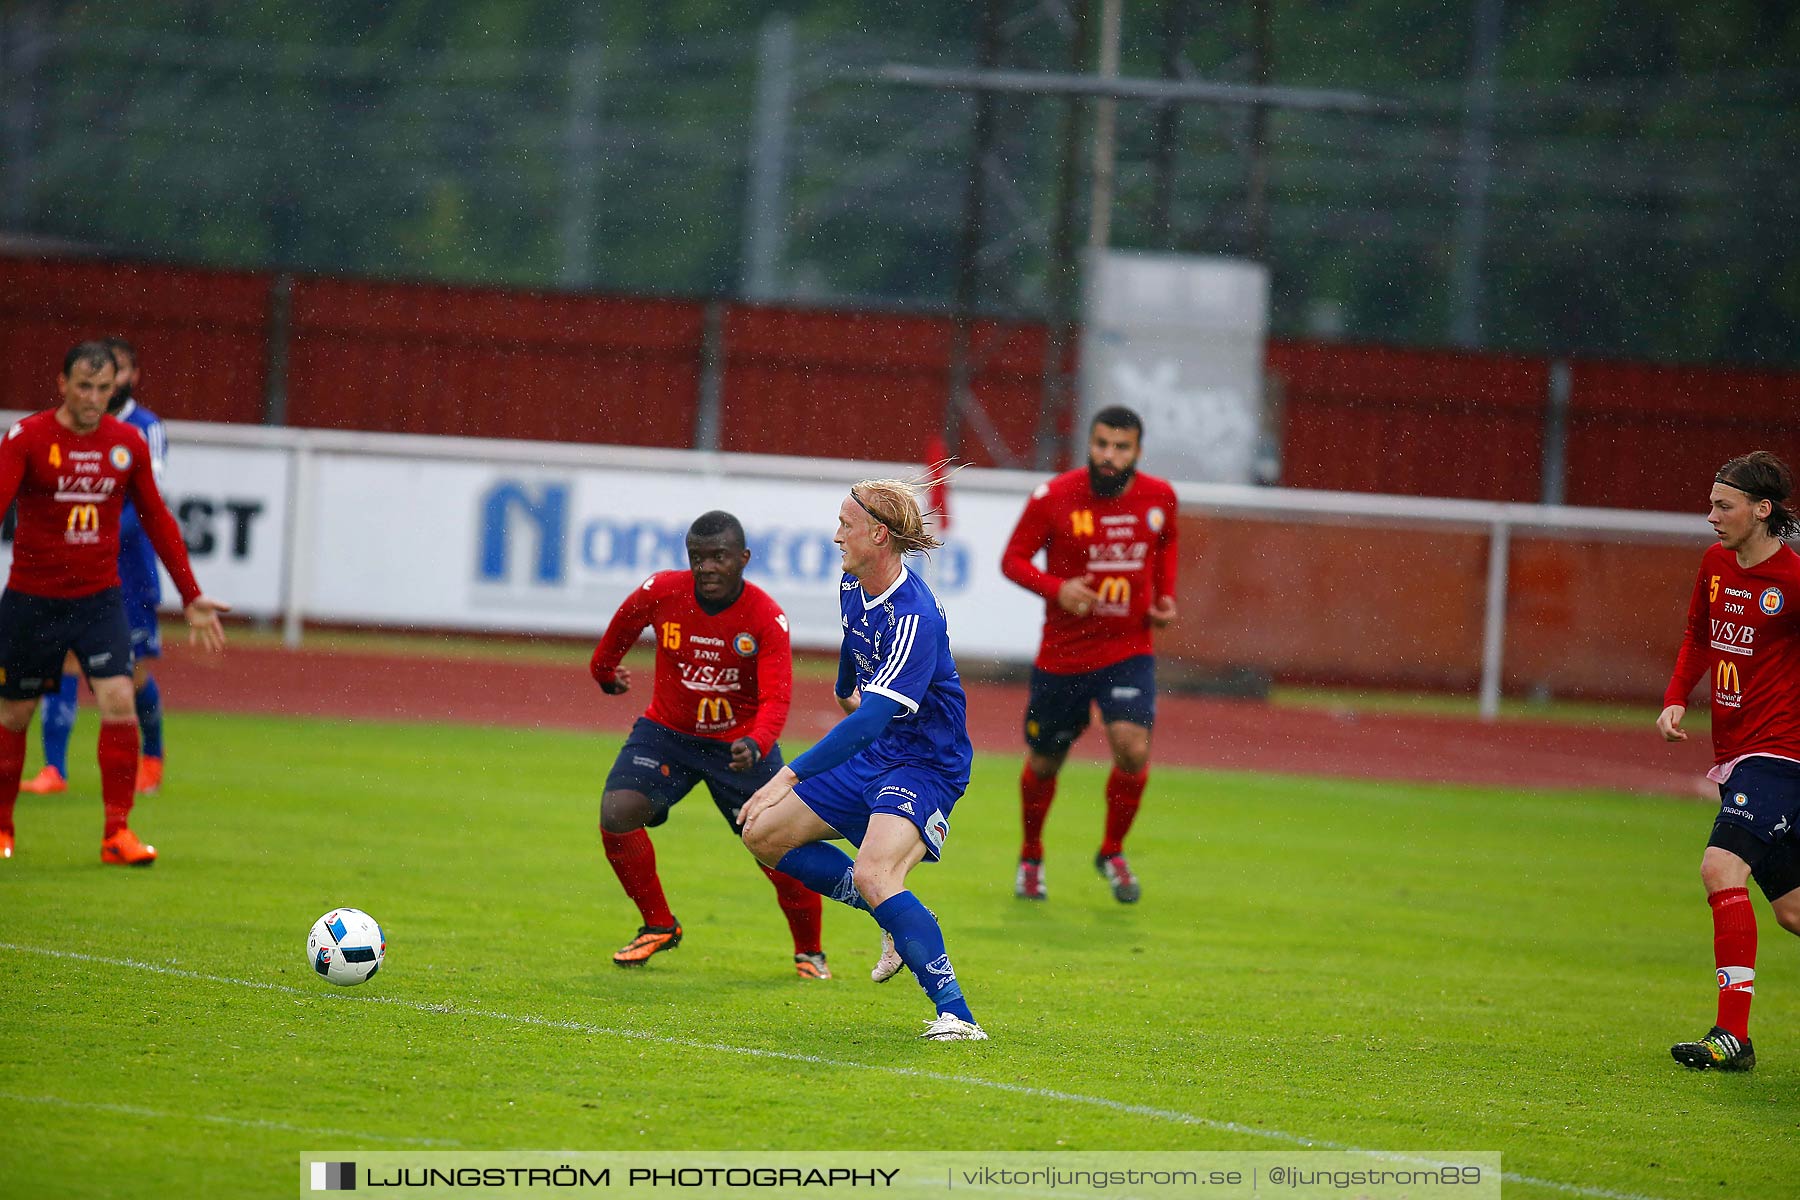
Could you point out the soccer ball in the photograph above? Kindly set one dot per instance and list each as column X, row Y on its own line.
column 346, row 946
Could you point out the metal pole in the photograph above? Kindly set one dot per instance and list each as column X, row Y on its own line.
column 581, row 164
column 1106, row 112
column 22, row 45
column 280, row 333
column 1063, row 276
column 968, row 252
column 1493, row 631
column 765, row 214
column 709, row 414
column 301, row 489
column 1470, row 230
column 1168, row 122
column 1256, row 190
column 1556, row 433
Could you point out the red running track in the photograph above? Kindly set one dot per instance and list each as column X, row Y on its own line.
column 1191, row 731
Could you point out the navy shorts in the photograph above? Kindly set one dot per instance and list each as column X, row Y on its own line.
column 37, row 631
column 146, row 628
column 1759, row 808
column 846, row 796
column 665, row 766
column 1058, row 710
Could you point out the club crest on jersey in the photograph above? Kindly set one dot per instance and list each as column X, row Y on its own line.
column 744, row 644
column 1155, row 518
column 1771, row 601
column 121, row 458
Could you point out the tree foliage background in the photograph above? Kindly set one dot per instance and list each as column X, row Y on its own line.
column 1640, row 204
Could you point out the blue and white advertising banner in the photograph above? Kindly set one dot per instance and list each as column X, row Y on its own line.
column 554, row 550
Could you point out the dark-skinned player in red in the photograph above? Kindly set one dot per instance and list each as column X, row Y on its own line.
column 724, row 677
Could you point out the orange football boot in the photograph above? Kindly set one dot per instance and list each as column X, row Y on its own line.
column 650, row 939
column 124, row 849
column 45, row 782
column 149, row 776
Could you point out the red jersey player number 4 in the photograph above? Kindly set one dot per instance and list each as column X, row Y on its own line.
column 71, row 469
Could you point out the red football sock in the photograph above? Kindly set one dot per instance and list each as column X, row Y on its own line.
column 118, row 757
column 1734, row 953
column 1035, row 795
column 1123, row 795
column 12, row 765
column 633, row 860
column 802, row 907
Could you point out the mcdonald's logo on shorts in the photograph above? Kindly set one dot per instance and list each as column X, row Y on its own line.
column 1115, row 591
column 714, row 713
column 1725, row 675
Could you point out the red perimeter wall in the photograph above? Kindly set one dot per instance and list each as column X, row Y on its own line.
column 486, row 362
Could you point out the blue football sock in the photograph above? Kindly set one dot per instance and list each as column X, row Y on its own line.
column 59, row 722
column 921, row 945
column 826, row 870
column 149, row 710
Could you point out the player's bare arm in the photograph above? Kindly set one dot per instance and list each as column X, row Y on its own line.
column 850, row 703
column 203, row 621
column 1669, row 723
column 619, row 684
column 1162, row 613
column 1077, row 595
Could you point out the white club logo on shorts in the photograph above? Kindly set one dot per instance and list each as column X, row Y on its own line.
column 937, row 828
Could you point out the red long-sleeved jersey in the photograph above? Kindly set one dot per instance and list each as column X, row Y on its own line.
column 71, row 488
column 1743, row 632
column 721, row 676
column 1126, row 542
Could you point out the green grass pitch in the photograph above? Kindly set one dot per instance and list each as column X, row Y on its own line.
column 1366, row 965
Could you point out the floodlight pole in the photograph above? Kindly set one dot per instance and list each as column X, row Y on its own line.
column 987, row 81
column 968, row 252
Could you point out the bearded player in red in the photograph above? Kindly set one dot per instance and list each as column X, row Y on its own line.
column 1743, row 636
column 71, row 469
column 724, row 674
column 1108, row 536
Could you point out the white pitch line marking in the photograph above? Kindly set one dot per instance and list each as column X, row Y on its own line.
column 1016, row 1089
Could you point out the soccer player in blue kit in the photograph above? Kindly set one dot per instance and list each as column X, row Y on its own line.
column 142, row 592
column 888, row 774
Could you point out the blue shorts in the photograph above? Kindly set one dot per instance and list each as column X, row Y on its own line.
column 846, row 796
column 1759, row 810
column 146, row 628
column 1057, row 711
column 36, row 631
column 666, row 765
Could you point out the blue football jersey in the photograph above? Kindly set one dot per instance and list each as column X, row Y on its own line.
column 137, row 557
column 900, row 646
